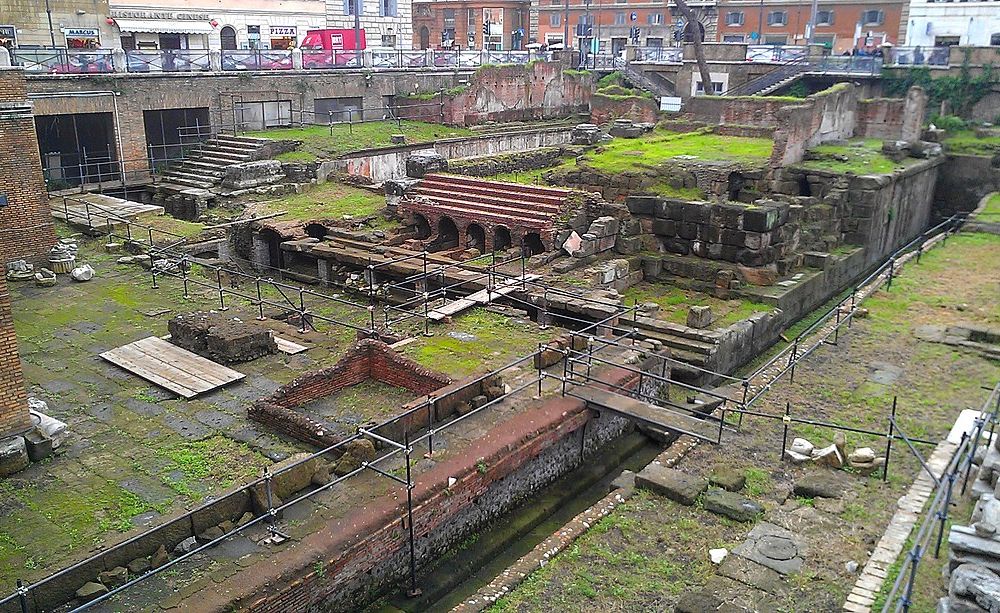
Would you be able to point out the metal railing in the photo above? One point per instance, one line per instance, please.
(168, 60)
(819, 65)
(935, 518)
(64, 61)
(776, 54)
(918, 56)
(659, 55)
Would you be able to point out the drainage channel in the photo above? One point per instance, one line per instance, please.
(479, 559)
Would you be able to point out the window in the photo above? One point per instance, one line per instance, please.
(654, 19)
(555, 19)
(873, 17)
(654, 42)
(946, 41)
(824, 18)
(619, 18)
(825, 40)
(734, 18)
(716, 88)
(733, 38)
(387, 8)
(388, 40)
(776, 40)
(556, 2)
(777, 18)
(449, 19)
(995, 40)
(351, 5)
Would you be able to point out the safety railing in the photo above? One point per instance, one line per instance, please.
(257, 59)
(776, 53)
(168, 60)
(930, 531)
(659, 55)
(64, 61)
(313, 59)
(918, 56)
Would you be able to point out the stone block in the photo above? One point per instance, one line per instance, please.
(729, 479)
(13, 455)
(39, 445)
(731, 505)
(91, 591)
(248, 175)
(221, 337)
(585, 134)
(641, 205)
(674, 484)
(665, 227)
(423, 163)
(699, 316)
(821, 485)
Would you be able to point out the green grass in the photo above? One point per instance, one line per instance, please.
(967, 143)
(674, 303)
(859, 157)
(991, 212)
(661, 145)
(330, 200)
(319, 143)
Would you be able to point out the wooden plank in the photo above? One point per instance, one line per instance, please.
(663, 417)
(483, 296)
(289, 347)
(176, 369)
(187, 361)
(121, 359)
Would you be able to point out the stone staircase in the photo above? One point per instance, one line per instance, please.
(772, 81)
(487, 202)
(639, 79)
(205, 167)
(690, 345)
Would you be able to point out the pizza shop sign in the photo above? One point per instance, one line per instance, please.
(159, 15)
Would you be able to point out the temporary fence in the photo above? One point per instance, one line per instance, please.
(935, 517)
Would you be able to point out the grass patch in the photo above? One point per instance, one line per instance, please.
(331, 200)
(661, 145)
(991, 212)
(219, 460)
(324, 142)
(674, 302)
(966, 142)
(859, 157)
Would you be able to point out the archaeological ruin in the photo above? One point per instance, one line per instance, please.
(510, 337)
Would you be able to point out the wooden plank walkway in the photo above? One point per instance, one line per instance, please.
(481, 297)
(662, 417)
(74, 210)
(287, 346)
(178, 370)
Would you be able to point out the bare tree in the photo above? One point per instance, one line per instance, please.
(699, 53)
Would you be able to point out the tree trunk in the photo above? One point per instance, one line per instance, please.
(699, 53)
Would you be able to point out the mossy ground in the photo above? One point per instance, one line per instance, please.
(991, 212)
(323, 143)
(859, 157)
(649, 550)
(625, 154)
(966, 142)
(330, 200)
(674, 303)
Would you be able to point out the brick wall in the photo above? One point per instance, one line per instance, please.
(26, 229)
(893, 118)
(825, 116)
(605, 109)
(14, 415)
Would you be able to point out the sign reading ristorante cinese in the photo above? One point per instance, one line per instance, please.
(129, 14)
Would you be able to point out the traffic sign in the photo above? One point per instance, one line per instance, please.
(754, 36)
(633, 17)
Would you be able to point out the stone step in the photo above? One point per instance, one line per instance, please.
(505, 219)
(208, 166)
(518, 200)
(214, 160)
(180, 173)
(187, 182)
(513, 187)
(225, 153)
(242, 140)
(476, 200)
(534, 198)
(476, 208)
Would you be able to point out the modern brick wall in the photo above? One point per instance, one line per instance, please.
(26, 229)
(14, 416)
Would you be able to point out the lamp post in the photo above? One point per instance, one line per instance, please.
(52, 33)
(760, 23)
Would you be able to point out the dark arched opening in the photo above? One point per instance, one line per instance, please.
(316, 230)
(804, 188)
(228, 38)
(421, 226)
(475, 237)
(533, 244)
(447, 234)
(425, 37)
(273, 241)
(689, 30)
(736, 183)
(501, 238)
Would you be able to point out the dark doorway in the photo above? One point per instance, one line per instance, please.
(689, 30)
(425, 37)
(169, 132)
(533, 244)
(228, 38)
(501, 238)
(77, 148)
(422, 226)
(273, 240)
(447, 234)
(475, 237)
(316, 230)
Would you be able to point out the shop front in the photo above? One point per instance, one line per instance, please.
(149, 30)
(82, 38)
(283, 37)
(8, 37)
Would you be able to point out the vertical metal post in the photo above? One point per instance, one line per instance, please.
(836, 330)
(743, 404)
(260, 302)
(854, 294)
(914, 562)
(184, 276)
(427, 321)
(302, 311)
(787, 419)
(22, 596)
(270, 500)
(331, 122)
(409, 519)
(892, 270)
(222, 294)
(975, 445)
(943, 514)
(793, 358)
(538, 365)
(524, 286)
(888, 440)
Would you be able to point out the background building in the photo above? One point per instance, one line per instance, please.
(79, 24)
(842, 25)
(387, 23)
(470, 24)
(936, 24)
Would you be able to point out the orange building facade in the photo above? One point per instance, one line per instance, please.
(471, 24)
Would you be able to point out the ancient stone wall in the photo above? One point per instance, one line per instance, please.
(539, 90)
(26, 228)
(14, 416)
(605, 109)
(738, 110)
(508, 163)
(893, 118)
(825, 116)
(963, 181)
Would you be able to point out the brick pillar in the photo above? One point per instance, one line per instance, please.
(14, 416)
(26, 228)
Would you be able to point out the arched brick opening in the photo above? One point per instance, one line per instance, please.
(273, 241)
(423, 226)
(447, 233)
(475, 237)
(533, 244)
(501, 238)
(316, 230)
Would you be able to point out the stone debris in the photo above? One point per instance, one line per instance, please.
(585, 134)
(802, 446)
(423, 163)
(91, 591)
(45, 278)
(772, 546)
(828, 456)
(116, 577)
(51, 427)
(700, 316)
(821, 485)
(731, 505)
(727, 478)
(718, 555)
(13, 455)
(20, 270)
(82, 273)
(674, 484)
